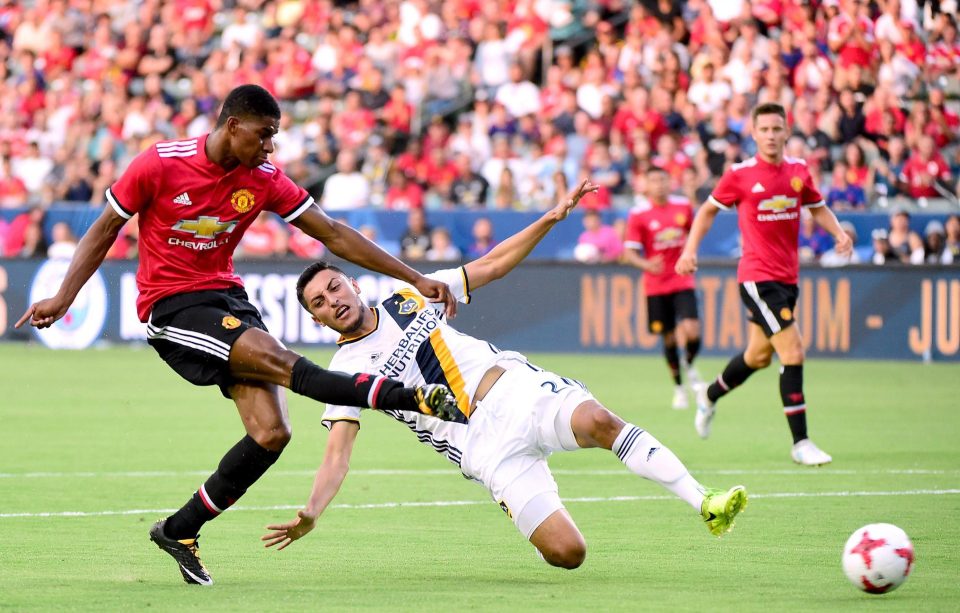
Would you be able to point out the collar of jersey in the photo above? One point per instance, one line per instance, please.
(346, 341)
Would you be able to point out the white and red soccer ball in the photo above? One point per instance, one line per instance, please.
(878, 558)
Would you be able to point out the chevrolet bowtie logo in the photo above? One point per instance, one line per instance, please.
(205, 227)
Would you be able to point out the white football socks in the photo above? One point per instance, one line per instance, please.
(644, 455)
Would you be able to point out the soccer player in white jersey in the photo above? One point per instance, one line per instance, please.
(514, 414)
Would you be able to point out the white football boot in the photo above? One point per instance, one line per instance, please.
(703, 420)
(806, 453)
(680, 401)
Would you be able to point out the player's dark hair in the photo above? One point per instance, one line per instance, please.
(308, 274)
(248, 101)
(768, 108)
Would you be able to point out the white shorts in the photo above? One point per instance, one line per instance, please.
(522, 420)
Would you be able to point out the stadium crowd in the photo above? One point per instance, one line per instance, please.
(502, 104)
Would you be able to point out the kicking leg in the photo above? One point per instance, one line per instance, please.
(258, 356)
(263, 409)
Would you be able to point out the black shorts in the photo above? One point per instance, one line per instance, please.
(193, 333)
(665, 310)
(770, 304)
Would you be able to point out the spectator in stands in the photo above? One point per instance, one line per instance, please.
(813, 240)
(934, 243)
(883, 253)
(852, 123)
(831, 259)
(604, 239)
(347, 188)
(706, 92)
(905, 244)
(13, 192)
(25, 235)
(926, 173)
(492, 59)
(265, 238)
(884, 178)
(403, 194)
(519, 96)
(469, 189)
(844, 196)
(415, 241)
(64, 243)
(442, 248)
(483, 240)
(951, 248)
(505, 196)
(721, 146)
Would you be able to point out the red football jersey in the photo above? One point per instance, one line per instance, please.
(662, 230)
(192, 215)
(768, 198)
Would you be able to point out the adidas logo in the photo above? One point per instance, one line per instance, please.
(758, 188)
(183, 199)
(652, 451)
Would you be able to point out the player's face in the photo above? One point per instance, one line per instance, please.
(334, 301)
(770, 132)
(658, 186)
(252, 139)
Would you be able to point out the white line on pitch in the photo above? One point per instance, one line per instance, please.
(464, 503)
(416, 471)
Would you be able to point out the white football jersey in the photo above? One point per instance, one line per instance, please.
(413, 344)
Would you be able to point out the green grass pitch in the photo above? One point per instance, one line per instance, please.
(116, 437)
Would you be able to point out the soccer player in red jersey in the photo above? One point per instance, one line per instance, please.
(768, 191)
(660, 232)
(195, 199)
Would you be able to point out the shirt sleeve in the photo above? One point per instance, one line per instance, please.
(727, 192)
(810, 196)
(633, 238)
(287, 199)
(456, 279)
(136, 186)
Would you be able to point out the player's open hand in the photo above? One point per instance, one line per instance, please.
(284, 534)
(564, 207)
(687, 264)
(843, 244)
(435, 291)
(43, 314)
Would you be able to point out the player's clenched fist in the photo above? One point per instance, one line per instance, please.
(687, 264)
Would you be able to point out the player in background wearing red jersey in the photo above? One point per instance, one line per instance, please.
(660, 231)
(195, 198)
(768, 191)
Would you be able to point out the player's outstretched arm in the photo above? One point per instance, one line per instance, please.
(687, 264)
(330, 476)
(828, 221)
(507, 254)
(91, 250)
(352, 246)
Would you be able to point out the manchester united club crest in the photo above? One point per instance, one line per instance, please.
(796, 183)
(680, 219)
(786, 314)
(242, 200)
(230, 322)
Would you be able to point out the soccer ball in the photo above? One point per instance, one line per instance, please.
(877, 558)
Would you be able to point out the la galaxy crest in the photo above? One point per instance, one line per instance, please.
(408, 306)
